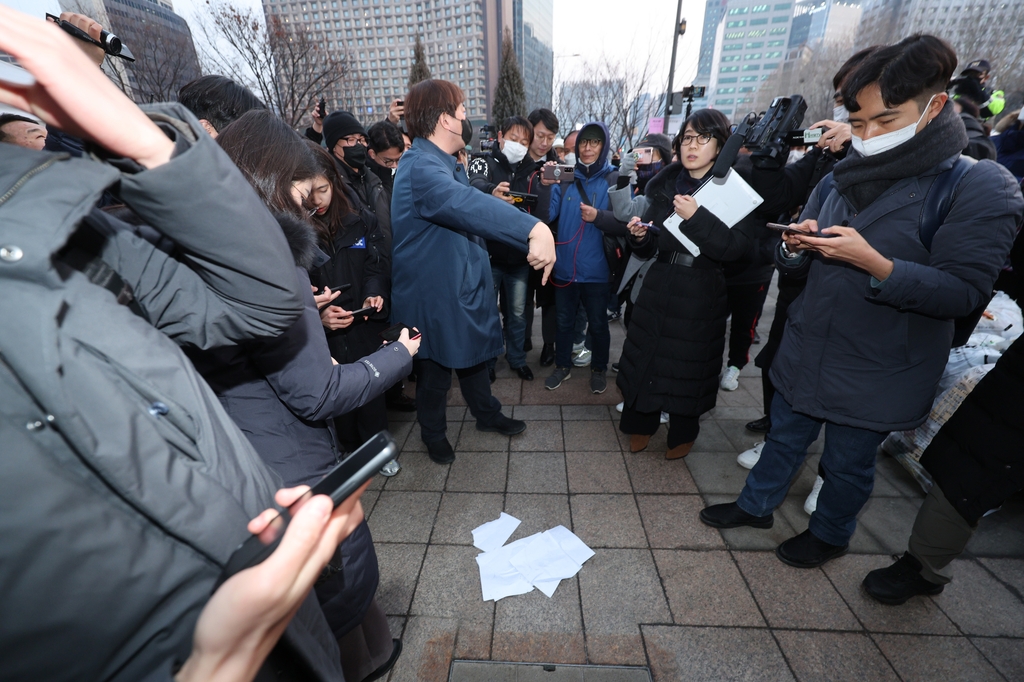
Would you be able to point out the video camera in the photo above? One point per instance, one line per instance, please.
(770, 136)
(488, 137)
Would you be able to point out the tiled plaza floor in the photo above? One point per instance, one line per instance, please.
(663, 590)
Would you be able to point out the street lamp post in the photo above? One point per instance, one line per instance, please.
(679, 28)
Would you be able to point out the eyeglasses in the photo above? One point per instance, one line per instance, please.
(387, 163)
(702, 139)
(589, 143)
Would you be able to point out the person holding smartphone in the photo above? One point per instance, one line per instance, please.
(126, 486)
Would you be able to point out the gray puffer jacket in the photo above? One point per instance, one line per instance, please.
(124, 484)
(872, 357)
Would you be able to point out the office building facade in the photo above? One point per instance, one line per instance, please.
(461, 39)
(534, 43)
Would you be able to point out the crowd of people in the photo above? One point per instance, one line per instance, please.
(199, 300)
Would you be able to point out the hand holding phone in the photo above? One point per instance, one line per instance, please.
(790, 229)
(321, 108)
(342, 481)
(644, 155)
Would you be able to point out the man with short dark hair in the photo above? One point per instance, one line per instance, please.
(545, 130)
(385, 147)
(867, 341)
(217, 101)
(22, 131)
(505, 169)
(442, 281)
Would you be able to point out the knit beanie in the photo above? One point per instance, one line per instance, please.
(341, 124)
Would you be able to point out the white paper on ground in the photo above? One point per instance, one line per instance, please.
(571, 544)
(498, 577)
(493, 534)
(555, 555)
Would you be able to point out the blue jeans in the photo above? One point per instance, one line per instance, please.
(595, 300)
(847, 464)
(512, 281)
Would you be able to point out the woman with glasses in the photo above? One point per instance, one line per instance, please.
(672, 356)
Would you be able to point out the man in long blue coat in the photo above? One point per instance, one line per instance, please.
(441, 275)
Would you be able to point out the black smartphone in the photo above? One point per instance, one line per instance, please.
(523, 199)
(391, 334)
(340, 289)
(342, 481)
(321, 108)
(368, 310)
(779, 227)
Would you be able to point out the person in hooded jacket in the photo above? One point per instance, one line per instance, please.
(867, 340)
(979, 146)
(582, 270)
(671, 359)
(507, 168)
(284, 393)
(126, 485)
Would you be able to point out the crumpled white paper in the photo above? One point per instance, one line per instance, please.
(493, 534)
(541, 560)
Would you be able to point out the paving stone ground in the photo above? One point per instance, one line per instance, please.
(663, 590)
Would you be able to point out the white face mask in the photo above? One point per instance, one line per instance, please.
(883, 143)
(513, 151)
(795, 155)
(570, 159)
(840, 114)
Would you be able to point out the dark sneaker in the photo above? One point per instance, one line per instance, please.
(899, 582)
(598, 382)
(441, 451)
(730, 515)
(524, 373)
(557, 377)
(547, 355)
(760, 425)
(503, 425)
(615, 367)
(807, 551)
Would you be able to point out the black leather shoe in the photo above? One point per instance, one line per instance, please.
(491, 375)
(503, 425)
(760, 425)
(441, 451)
(731, 516)
(527, 345)
(807, 551)
(524, 372)
(401, 403)
(547, 355)
(380, 672)
(897, 583)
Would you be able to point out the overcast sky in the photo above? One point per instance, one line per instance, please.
(621, 30)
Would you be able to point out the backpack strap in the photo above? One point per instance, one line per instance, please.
(939, 199)
(825, 187)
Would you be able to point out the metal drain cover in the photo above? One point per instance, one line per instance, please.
(495, 671)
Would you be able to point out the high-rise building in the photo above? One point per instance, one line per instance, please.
(714, 10)
(534, 43)
(461, 38)
(161, 41)
(752, 40)
(958, 21)
(817, 22)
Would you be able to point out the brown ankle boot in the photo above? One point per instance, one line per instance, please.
(638, 442)
(679, 451)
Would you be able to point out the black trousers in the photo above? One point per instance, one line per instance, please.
(433, 381)
(680, 429)
(361, 424)
(745, 304)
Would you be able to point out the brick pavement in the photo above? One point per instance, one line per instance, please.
(663, 590)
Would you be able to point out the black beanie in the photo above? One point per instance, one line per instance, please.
(341, 124)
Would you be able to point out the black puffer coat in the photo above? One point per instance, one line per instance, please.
(672, 356)
(976, 458)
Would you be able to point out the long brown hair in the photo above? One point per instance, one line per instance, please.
(331, 222)
(271, 156)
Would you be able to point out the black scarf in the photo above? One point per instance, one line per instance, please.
(862, 179)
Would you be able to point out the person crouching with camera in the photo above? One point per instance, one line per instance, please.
(673, 351)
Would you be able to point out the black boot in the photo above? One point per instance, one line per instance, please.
(807, 551)
(899, 582)
(731, 516)
(441, 451)
(760, 425)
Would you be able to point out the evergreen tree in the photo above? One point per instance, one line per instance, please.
(419, 71)
(510, 93)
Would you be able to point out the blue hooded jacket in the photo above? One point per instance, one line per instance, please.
(580, 246)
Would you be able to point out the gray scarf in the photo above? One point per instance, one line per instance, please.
(862, 179)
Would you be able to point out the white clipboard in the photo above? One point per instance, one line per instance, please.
(730, 199)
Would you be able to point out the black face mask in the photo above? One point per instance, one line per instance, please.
(355, 156)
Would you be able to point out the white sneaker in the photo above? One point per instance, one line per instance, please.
(391, 468)
(618, 408)
(664, 417)
(581, 359)
(749, 458)
(812, 500)
(731, 379)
